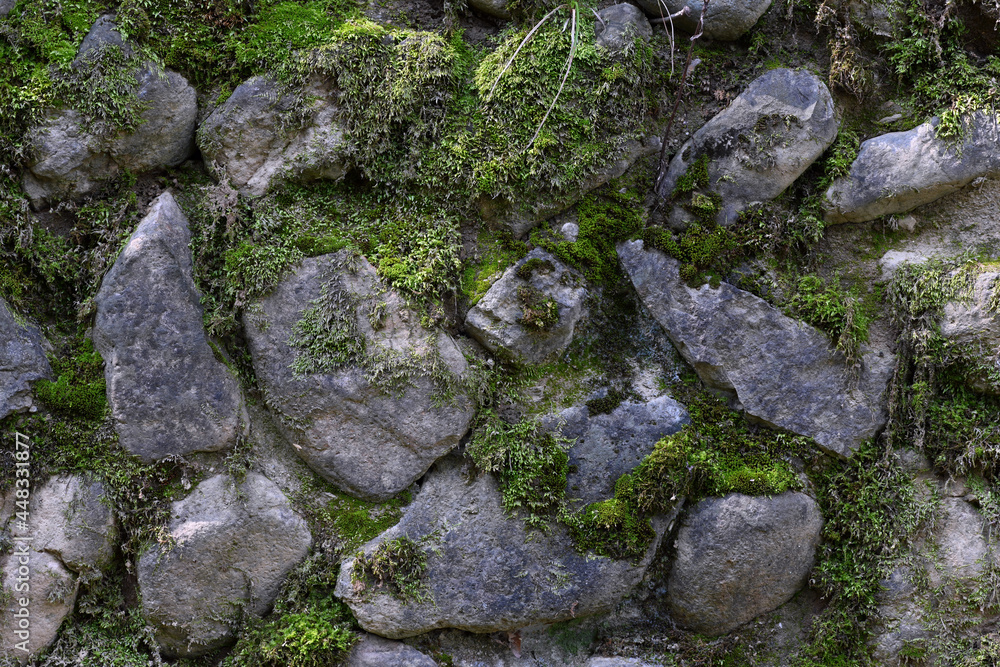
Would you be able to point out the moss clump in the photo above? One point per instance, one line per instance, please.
(606, 404)
(397, 566)
(79, 388)
(695, 176)
(705, 252)
(531, 464)
(538, 312)
(355, 522)
(718, 453)
(526, 269)
(840, 314)
(497, 250)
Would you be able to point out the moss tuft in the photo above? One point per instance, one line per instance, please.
(397, 566)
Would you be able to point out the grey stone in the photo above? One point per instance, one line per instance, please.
(6, 6)
(521, 217)
(248, 140)
(168, 393)
(618, 26)
(899, 171)
(604, 447)
(495, 8)
(784, 372)
(758, 145)
(232, 544)
(485, 572)
(50, 599)
(973, 319)
(893, 259)
(73, 523)
(22, 361)
(369, 442)
(739, 557)
(725, 20)
(496, 320)
(570, 231)
(375, 651)
(71, 160)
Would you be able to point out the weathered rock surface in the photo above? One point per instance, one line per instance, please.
(899, 171)
(973, 319)
(784, 372)
(375, 651)
(485, 572)
(606, 446)
(521, 217)
(103, 33)
(168, 393)
(22, 361)
(739, 557)
(72, 536)
(6, 6)
(725, 20)
(71, 160)
(248, 140)
(496, 8)
(371, 442)
(759, 145)
(618, 26)
(234, 545)
(498, 320)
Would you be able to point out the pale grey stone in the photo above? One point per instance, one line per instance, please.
(618, 26)
(725, 20)
(22, 362)
(375, 651)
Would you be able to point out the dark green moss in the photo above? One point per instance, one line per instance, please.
(396, 567)
(607, 404)
(696, 176)
(538, 311)
(530, 266)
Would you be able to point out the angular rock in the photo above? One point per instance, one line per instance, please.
(495, 8)
(71, 160)
(168, 393)
(974, 319)
(73, 523)
(375, 651)
(49, 600)
(757, 146)
(233, 545)
(247, 139)
(725, 20)
(522, 217)
(6, 6)
(739, 557)
(606, 446)
(899, 171)
(22, 361)
(485, 572)
(784, 372)
(498, 320)
(371, 441)
(618, 26)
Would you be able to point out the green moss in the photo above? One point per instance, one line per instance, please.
(538, 312)
(526, 269)
(497, 249)
(694, 177)
(839, 314)
(355, 522)
(704, 251)
(79, 388)
(396, 568)
(607, 404)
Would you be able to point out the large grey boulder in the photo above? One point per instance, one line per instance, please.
(757, 146)
(739, 557)
(375, 651)
(168, 393)
(506, 321)
(231, 544)
(71, 159)
(371, 440)
(250, 139)
(71, 536)
(485, 572)
(899, 171)
(603, 447)
(618, 26)
(22, 361)
(784, 372)
(725, 20)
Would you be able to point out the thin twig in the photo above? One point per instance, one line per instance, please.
(524, 41)
(680, 92)
(569, 64)
(669, 18)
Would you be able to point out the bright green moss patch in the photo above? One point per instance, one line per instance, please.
(355, 521)
(396, 567)
(841, 315)
(694, 177)
(79, 388)
(497, 249)
(705, 252)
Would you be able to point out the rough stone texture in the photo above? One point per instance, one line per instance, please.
(369, 443)
(104, 32)
(485, 572)
(899, 171)
(784, 372)
(496, 8)
(71, 522)
(725, 20)
(739, 557)
(71, 161)
(22, 361)
(521, 217)
(374, 651)
(246, 139)
(168, 393)
(6, 6)
(233, 548)
(495, 320)
(619, 26)
(605, 447)
(965, 321)
(51, 599)
(760, 144)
